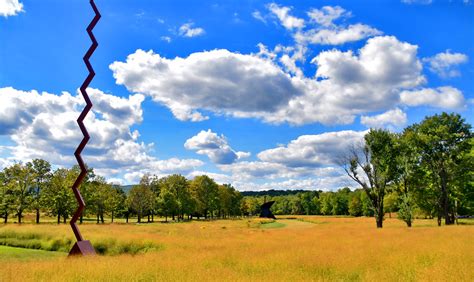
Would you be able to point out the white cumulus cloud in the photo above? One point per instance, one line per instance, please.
(445, 64)
(187, 30)
(391, 119)
(328, 14)
(255, 86)
(43, 125)
(214, 146)
(445, 97)
(283, 14)
(313, 150)
(10, 7)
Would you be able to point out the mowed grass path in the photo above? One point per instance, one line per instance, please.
(19, 254)
(308, 249)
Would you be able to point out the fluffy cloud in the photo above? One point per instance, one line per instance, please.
(313, 150)
(308, 162)
(321, 183)
(214, 146)
(283, 14)
(395, 118)
(337, 35)
(321, 27)
(327, 32)
(10, 7)
(350, 84)
(446, 97)
(43, 125)
(265, 176)
(346, 84)
(445, 64)
(328, 14)
(252, 170)
(187, 30)
(218, 81)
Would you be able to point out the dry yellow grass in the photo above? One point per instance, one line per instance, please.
(319, 249)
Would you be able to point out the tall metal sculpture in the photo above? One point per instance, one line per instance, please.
(84, 247)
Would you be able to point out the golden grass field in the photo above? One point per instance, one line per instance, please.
(308, 249)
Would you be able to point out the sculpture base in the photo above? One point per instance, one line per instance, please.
(82, 248)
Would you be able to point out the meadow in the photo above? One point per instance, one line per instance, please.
(301, 248)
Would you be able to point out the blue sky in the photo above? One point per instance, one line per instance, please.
(264, 95)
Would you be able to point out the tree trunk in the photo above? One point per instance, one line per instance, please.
(19, 218)
(5, 218)
(379, 216)
(37, 216)
(152, 217)
(139, 218)
(112, 216)
(59, 218)
(102, 217)
(126, 218)
(444, 199)
(409, 223)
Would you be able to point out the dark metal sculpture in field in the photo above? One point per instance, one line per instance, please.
(265, 210)
(84, 247)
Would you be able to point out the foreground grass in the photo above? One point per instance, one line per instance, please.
(312, 248)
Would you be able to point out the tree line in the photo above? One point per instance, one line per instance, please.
(35, 187)
(426, 170)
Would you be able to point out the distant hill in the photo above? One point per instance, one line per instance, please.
(126, 188)
(273, 192)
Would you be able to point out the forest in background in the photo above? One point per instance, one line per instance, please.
(427, 170)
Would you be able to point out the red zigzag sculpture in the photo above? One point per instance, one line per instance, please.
(84, 247)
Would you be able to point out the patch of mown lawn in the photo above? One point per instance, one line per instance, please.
(271, 225)
(21, 254)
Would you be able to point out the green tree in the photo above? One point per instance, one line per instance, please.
(140, 200)
(340, 202)
(115, 203)
(205, 191)
(225, 200)
(376, 159)
(355, 205)
(58, 197)
(168, 204)
(7, 198)
(42, 171)
(442, 141)
(326, 203)
(101, 194)
(20, 178)
(391, 202)
(316, 205)
(405, 211)
(152, 183)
